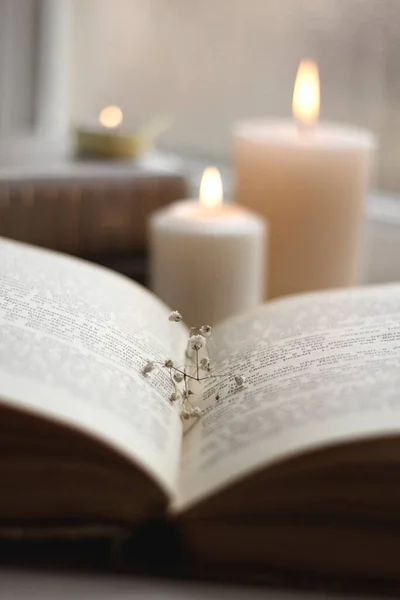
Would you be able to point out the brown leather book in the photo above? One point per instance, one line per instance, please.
(86, 209)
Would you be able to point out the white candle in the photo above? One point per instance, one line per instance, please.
(207, 258)
(311, 183)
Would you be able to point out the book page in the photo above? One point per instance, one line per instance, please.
(73, 340)
(320, 368)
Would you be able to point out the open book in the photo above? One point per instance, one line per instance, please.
(296, 470)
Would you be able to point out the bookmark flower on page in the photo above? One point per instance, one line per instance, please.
(197, 369)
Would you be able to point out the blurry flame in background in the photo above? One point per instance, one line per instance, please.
(210, 194)
(111, 117)
(306, 95)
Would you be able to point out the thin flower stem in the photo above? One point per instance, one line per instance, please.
(197, 365)
(186, 431)
(172, 381)
(197, 378)
(190, 403)
(184, 373)
(185, 396)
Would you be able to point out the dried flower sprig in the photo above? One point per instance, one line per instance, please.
(198, 370)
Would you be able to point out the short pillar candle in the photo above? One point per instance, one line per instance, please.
(207, 258)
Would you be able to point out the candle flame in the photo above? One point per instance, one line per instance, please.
(306, 93)
(111, 117)
(211, 188)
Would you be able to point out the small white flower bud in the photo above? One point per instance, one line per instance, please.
(206, 330)
(205, 364)
(197, 341)
(174, 397)
(148, 367)
(185, 413)
(240, 380)
(175, 316)
(168, 363)
(193, 412)
(178, 377)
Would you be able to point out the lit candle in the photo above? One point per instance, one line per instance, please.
(109, 139)
(310, 180)
(207, 258)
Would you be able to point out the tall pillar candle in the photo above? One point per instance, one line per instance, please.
(310, 182)
(207, 259)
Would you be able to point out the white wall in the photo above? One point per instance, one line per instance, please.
(209, 62)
